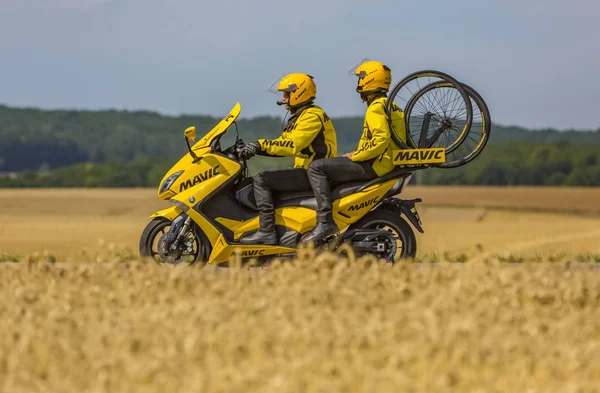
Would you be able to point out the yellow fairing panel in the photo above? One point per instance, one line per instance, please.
(202, 147)
(194, 194)
(210, 167)
(223, 251)
(219, 128)
(353, 207)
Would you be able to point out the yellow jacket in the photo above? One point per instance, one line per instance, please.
(308, 135)
(376, 144)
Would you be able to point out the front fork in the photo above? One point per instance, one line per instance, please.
(182, 233)
(179, 229)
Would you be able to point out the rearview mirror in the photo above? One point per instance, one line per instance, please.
(190, 133)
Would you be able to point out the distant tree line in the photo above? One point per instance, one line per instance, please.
(518, 163)
(134, 149)
(505, 164)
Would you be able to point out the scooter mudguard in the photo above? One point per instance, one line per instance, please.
(169, 213)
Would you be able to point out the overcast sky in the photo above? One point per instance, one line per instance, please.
(536, 62)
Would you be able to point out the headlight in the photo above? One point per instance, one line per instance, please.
(169, 181)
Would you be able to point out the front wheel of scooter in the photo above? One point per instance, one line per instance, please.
(195, 248)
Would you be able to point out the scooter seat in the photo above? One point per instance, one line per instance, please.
(286, 196)
(341, 190)
(345, 189)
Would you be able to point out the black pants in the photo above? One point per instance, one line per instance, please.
(339, 169)
(265, 183)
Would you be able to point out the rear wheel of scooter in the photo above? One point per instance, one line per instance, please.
(152, 247)
(406, 242)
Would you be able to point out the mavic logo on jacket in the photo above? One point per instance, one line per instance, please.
(251, 253)
(368, 145)
(199, 178)
(362, 205)
(420, 156)
(284, 143)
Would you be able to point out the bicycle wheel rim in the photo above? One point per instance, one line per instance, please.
(443, 77)
(452, 137)
(479, 134)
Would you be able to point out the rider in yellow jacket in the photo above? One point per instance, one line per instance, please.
(374, 155)
(308, 135)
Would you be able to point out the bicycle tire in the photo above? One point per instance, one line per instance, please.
(431, 74)
(471, 153)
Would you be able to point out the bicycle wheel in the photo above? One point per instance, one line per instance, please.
(439, 118)
(476, 136)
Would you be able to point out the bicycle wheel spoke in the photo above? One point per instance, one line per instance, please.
(451, 93)
(461, 106)
(434, 106)
(461, 111)
(455, 102)
(421, 107)
(449, 101)
(438, 103)
(434, 98)
(445, 99)
(425, 102)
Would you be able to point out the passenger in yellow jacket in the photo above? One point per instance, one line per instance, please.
(308, 135)
(374, 155)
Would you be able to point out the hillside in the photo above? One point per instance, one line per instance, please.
(31, 138)
(134, 149)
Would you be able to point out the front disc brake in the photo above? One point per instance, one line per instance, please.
(179, 254)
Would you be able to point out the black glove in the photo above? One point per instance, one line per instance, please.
(251, 149)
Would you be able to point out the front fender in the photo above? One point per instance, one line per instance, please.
(406, 207)
(169, 213)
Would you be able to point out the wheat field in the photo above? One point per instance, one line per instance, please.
(320, 324)
(496, 221)
(81, 313)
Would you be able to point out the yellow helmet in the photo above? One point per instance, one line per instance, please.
(373, 76)
(298, 89)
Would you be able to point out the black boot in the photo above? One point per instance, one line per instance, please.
(261, 237)
(322, 230)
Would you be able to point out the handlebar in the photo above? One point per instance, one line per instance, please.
(236, 151)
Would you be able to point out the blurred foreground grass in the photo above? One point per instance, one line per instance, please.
(319, 324)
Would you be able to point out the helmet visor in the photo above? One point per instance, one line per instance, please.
(274, 88)
(352, 71)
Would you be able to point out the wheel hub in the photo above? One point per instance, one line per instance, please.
(382, 244)
(446, 124)
(387, 247)
(174, 254)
